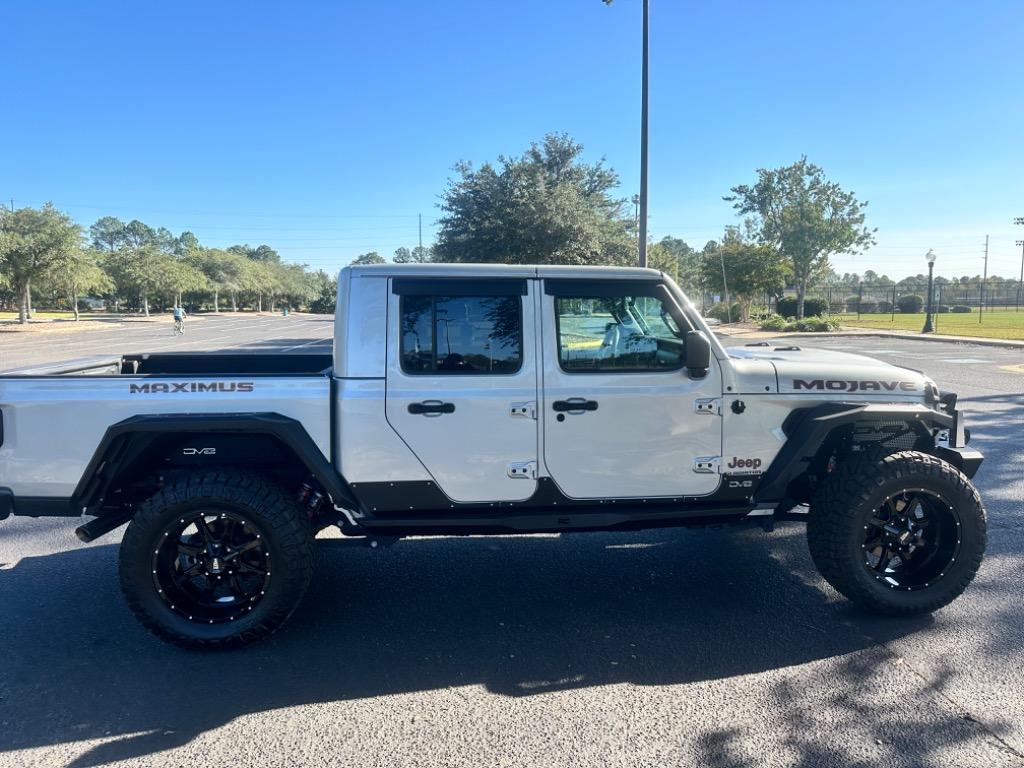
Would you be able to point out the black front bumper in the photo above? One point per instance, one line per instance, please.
(967, 460)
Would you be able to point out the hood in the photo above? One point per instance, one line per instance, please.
(808, 370)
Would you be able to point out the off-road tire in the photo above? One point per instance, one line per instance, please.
(284, 528)
(847, 499)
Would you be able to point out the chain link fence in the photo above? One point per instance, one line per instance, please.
(996, 306)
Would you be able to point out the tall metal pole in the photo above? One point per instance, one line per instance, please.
(984, 280)
(643, 145)
(420, 217)
(928, 318)
(1020, 287)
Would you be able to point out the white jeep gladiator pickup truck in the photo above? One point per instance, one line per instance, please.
(488, 400)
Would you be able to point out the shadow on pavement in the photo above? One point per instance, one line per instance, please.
(520, 616)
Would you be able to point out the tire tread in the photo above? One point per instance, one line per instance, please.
(833, 519)
(278, 512)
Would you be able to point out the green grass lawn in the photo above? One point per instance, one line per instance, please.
(42, 315)
(1000, 324)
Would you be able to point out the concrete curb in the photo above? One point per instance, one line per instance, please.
(981, 342)
(870, 334)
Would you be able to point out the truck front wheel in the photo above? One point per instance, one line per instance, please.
(898, 535)
(216, 559)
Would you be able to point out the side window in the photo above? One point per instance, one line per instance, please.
(461, 334)
(619, 333)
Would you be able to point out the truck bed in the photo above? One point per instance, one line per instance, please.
(53, 417)
(184, 364)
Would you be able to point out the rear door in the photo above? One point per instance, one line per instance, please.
(619, 409)
(462, 382)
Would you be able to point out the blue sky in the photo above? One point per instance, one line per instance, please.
(324, 129)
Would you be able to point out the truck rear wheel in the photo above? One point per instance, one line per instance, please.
(898, 535)
(216, 559)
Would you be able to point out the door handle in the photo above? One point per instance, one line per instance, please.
(431, 408)
(574, 404)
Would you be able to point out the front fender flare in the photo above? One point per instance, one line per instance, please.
(817, 423)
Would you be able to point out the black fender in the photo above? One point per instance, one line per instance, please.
(811, 427)
(126, 442)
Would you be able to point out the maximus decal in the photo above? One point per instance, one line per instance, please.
(191, 386)
(840, 385)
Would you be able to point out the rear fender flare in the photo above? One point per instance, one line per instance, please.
(126, 441)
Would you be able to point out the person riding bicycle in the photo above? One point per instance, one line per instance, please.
(179, 319)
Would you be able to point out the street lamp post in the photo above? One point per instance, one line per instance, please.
(643, 146)
(1020, 244)
(643, 135)
(1020, 287)
(930, 256)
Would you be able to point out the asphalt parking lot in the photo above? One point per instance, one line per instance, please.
(657, 648)
(226, 332)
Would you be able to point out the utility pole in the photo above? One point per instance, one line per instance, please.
(984, 280)
(420, 217)
(643, 143)
(1020, 243)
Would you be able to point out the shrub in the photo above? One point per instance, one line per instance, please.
(960, 309)
(720, 312)
(867, 306)
(814, 325)
(910, 304)
(787, 307)
(807, 325)
(773, 323)
(885, 307)
(851, 303)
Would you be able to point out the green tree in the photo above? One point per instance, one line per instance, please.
(217, 267)
(137, 234)
(805, 217)
(265, 253)
(107, 233)
(296, 287)
(749, 269)
(77, 273)
(164, 240)
(262, 253)
(145, 271)
(417, 255)
(31, 242)
(545, 207)
(185, 244)
(676, 258)
(368, 258)
(326, 290)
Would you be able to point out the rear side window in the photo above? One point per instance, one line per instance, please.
(461, 334)
(617, 334)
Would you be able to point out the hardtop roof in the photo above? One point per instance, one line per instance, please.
(502, 270)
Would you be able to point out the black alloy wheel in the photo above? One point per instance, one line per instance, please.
(901, 534)
(912, 538)
(217, 559)
(212, 566)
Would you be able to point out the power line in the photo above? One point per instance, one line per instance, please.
(179, 212)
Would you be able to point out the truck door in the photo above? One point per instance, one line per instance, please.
(620, 415)
(462, 382)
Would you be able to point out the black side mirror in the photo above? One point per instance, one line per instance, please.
(698, 354)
